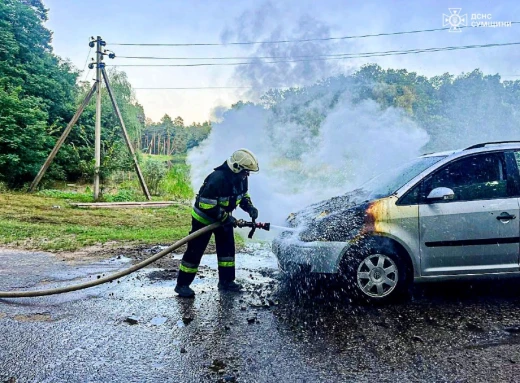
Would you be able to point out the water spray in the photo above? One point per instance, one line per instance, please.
(284, 228)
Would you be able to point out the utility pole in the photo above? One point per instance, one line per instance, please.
(97, 141)
(96, 88)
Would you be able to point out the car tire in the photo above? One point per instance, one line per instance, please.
(375, 273)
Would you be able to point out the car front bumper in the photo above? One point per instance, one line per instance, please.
(316, 257)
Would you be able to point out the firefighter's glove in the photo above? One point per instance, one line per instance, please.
(253, 212)
(230, 221)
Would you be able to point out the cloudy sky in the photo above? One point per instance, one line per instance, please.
(225, 21)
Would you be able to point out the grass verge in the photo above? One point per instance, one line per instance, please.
(47, 223)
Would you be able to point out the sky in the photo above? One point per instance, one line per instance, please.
(218, 21)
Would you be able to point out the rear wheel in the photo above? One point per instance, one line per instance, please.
(377, 274)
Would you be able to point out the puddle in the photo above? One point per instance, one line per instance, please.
(36, 317)
(158, 321)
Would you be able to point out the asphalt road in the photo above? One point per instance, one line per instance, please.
(137, 330)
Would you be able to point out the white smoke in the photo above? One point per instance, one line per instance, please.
(354, 143)
(312, 143)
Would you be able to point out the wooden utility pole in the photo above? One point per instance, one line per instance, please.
(96, 88)
(97, 141)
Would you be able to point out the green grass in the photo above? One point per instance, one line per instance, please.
(36, 222)
(120, 195)
(67, 194)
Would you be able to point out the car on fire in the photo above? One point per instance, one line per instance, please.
(443, 216)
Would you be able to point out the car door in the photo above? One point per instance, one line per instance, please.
(478, 230)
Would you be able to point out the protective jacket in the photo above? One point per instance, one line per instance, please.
(221, 193)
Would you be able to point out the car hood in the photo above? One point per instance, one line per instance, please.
(337, 219)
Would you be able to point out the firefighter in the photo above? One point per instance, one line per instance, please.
(223, 191)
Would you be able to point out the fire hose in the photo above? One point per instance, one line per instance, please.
(60, 290)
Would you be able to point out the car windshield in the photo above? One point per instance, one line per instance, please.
(389, 182)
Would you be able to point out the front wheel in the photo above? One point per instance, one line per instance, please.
(376, 275)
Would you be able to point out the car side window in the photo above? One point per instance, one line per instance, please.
(412, 197)
(477, 177)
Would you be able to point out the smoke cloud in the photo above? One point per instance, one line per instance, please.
(259, 25)
(354, 143)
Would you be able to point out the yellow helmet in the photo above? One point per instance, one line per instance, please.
(243, 159)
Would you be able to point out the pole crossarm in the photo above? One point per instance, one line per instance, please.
(63, 137)
(125, 135)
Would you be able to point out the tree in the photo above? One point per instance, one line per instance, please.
(169, 130)
(178, 122)
(37, 90)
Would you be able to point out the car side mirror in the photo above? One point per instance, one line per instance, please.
(440, 194)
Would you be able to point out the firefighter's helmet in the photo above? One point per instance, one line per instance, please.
(243, 159)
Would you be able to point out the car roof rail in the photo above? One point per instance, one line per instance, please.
(482, 145)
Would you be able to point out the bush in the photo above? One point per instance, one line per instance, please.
(123, 195)
(153, 173)
(176, 183)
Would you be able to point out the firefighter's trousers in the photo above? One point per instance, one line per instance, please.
(225, 244)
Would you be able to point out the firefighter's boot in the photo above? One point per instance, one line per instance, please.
(184, 291)
(229, 286)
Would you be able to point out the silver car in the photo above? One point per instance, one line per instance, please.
(448, 215)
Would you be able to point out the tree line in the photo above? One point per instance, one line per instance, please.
(169, 137)
(455, 110)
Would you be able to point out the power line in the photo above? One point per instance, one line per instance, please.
(289, 41)
(220, 58)
(86, 60)
(250, 87)
(86, 74)
(84, 66)
(336, 55)
(203, 87)
(333, 57)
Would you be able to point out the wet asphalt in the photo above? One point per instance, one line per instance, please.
(137, 330)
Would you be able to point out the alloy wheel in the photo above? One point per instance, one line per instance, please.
(377, 275)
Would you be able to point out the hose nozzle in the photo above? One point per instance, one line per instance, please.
(253, 225)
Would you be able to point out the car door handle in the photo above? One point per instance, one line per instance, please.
(506, 217)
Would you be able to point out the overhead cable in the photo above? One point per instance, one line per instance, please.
(331, 57)
(291, 40)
